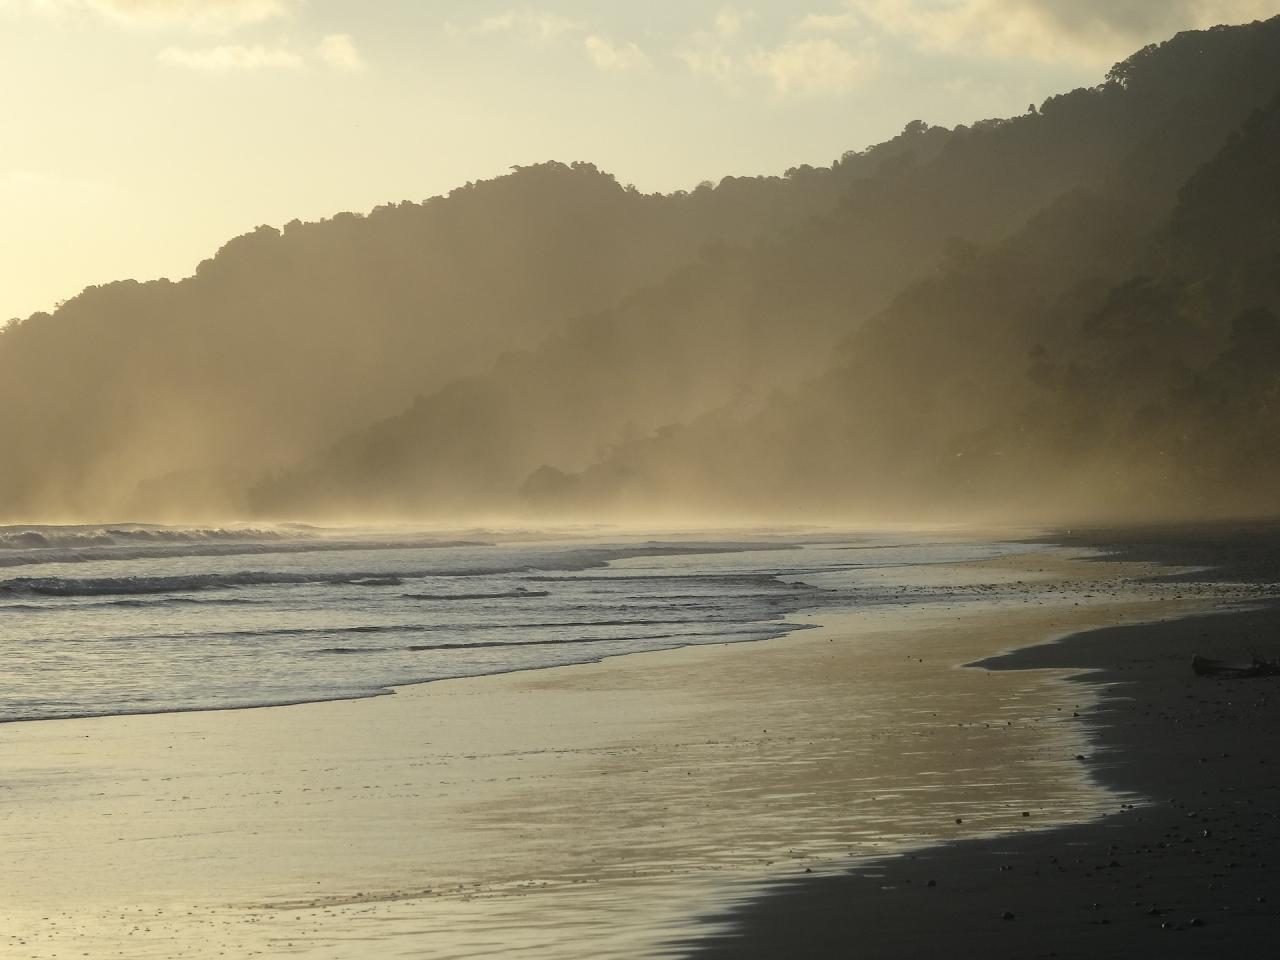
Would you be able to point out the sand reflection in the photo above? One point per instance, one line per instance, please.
(589, 811)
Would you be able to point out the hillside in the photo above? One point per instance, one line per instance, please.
(169, 398)
(901, 353)
(1087, 368)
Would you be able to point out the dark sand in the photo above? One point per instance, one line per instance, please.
(1191, 870)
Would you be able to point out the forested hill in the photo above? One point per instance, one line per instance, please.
(171, 398)
(1076, 372)
(1067, 313)
(1038, 316)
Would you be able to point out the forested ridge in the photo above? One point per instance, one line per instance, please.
(174, 397)
(1070, 313)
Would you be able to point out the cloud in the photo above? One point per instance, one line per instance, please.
(610, 56)
(1141, 19)
(710, 59)
(829, 22)
(217, 15)
(232, 59)
(714, 53)
(730, 21)
(543, 27)
(336, 50)
(811, 68)
(529, 24)
(801, 66)
(1087, 31)
(339, 51)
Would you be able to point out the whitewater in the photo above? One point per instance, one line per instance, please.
(133, 618)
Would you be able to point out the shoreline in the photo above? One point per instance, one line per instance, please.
(1178, 869)
(513, 787)
(58, 594)
(587, 556)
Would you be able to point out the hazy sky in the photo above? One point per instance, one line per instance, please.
(138, 135)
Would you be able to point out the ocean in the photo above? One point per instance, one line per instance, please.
(130, 619)
(605, 811)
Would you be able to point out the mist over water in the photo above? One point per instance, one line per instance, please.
(253, 618)
(546, 420)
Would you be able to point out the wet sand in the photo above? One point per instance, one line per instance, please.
(1187, 866)
(602, 810)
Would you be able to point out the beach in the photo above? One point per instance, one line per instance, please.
(709, 799)
(813, 517)
(1187, 866)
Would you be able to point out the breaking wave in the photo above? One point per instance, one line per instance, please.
(196, 631)
(21, 546)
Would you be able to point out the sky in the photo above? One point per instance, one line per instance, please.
(137, 136)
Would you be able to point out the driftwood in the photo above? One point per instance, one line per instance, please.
(1204, 667)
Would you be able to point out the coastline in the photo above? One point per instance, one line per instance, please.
(601, 802)
(1186, 863)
